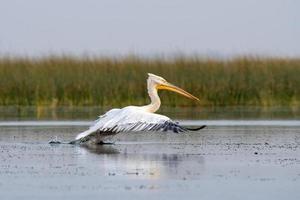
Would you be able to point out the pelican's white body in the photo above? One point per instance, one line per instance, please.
(125, 119)
(133, 118)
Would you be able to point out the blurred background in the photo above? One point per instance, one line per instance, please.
(97, 53)
(150, 28)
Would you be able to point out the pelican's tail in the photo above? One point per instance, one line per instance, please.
(92, 136)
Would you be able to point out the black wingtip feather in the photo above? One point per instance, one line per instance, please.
(196, 129)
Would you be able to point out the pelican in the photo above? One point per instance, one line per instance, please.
(136, 118)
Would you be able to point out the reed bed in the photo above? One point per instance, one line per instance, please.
(70, 81)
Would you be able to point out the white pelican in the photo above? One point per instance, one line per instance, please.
(136, 118)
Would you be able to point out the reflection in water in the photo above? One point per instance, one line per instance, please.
(100, 149)
(91, 113)
(114, 160)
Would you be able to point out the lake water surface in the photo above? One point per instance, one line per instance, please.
(233, 158)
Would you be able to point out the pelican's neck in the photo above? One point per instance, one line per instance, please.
(155, 100)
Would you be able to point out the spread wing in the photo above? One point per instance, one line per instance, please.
(130, 119)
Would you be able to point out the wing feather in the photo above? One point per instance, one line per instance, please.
(129, 119)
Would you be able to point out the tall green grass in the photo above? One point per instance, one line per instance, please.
(73, 81)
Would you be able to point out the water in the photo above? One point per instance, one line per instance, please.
(90, 113)
(230, 159)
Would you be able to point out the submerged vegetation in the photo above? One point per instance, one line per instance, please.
(56, 81)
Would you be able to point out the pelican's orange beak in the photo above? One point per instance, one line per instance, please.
(171, 87)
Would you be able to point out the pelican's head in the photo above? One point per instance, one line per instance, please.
(161, 84)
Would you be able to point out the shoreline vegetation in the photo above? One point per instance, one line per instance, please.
(115, 82)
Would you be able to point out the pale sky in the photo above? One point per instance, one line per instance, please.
(150, 27)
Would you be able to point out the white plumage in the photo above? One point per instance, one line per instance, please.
(135, 118)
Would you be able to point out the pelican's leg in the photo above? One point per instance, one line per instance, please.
(105, 143)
